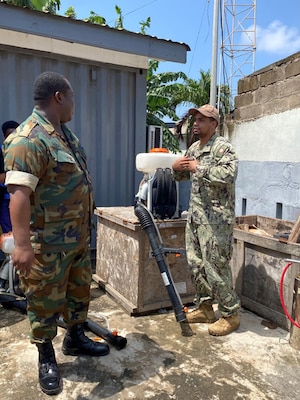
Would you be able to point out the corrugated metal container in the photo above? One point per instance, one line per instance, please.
(105, 116)
(107, 68)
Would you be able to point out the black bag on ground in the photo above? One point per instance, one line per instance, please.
(164, 194)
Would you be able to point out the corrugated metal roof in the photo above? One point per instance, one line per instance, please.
(43, 24)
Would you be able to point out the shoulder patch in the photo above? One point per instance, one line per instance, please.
(221, 150)
(220, 147)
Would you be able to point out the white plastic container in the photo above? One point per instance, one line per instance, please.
(7, 243)
(149, 162)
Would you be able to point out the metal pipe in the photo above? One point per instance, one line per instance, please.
(214, 56)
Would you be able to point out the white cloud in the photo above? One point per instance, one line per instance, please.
(277, 38)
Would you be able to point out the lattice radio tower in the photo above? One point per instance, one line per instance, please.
(237, 42)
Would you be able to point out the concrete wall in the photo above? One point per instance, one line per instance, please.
(264, 129)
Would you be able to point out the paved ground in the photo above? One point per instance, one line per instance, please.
(253, 363)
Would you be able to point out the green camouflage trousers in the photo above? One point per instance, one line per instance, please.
(58, 284)
(209, 250)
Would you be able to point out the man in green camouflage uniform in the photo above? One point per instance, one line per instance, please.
(211, 164)
(51, 207)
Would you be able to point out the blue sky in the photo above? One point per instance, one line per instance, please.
(191, 22)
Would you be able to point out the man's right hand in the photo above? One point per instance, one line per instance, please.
(182, 164)
(23, 259)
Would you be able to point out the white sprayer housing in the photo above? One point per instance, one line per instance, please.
(8, 244)
(149, 162)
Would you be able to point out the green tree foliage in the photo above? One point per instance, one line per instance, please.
(71, 13)
(166, 91)
(95, 19)
(161, 90)
(196, 92)
(21, 3)
(50, 6)
(119, 20)
(144, 25)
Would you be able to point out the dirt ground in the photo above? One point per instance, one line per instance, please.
(253, 363)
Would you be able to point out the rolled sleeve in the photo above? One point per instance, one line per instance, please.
(22, 179)
(181, 175)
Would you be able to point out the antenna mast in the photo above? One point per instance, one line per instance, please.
(238, 42)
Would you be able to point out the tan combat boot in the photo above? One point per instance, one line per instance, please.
(204, 313)
(224, 326)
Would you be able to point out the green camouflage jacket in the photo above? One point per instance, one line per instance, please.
(62, 202)
(212, 198)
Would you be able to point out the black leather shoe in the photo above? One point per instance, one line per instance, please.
(77, 343)
(49, 377)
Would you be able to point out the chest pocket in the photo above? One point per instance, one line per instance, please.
(64, 160)
(64, 171)
(207, 160)
(62, 156)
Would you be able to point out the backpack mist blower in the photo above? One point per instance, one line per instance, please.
(12, 297)
(159, 252)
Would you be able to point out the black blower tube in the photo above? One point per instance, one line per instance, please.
(9, 301)
(158, 252)
(119, 342)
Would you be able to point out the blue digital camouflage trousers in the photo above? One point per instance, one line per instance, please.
(58, 284)
(209, 250)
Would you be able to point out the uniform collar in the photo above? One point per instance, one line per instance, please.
(208, 145)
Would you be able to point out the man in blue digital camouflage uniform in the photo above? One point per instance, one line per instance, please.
(51, 207)
(211, 164)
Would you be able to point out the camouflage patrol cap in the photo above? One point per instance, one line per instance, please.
(207, 110)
